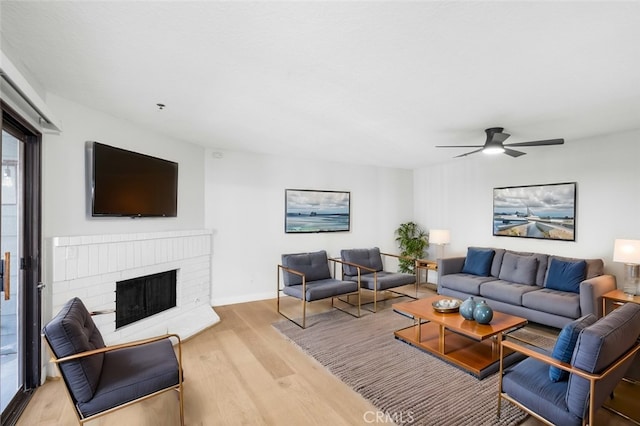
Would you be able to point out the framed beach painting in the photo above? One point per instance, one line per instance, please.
(536, 211)
(308, 211)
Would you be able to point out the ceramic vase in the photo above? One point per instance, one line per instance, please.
(483, 314)
(467, 307)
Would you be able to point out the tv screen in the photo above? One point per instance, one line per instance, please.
(126, 183)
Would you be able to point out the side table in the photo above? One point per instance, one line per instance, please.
(616, 298)
(424, 265)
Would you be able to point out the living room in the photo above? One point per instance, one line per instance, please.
(237, 195)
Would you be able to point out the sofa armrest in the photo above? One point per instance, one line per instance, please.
(450, 265)
(591, 292)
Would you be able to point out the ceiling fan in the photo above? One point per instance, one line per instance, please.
(494, 144)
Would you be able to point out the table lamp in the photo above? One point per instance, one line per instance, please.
(628, 252)
(439, 237)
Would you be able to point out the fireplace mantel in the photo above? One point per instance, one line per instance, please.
(89, 267)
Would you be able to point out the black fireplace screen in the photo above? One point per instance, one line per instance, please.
(142, 297)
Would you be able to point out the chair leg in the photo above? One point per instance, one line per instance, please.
(304, 313)
(181, 402)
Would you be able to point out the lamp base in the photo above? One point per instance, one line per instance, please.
(632, 279)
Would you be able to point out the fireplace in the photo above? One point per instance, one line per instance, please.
(141, 297)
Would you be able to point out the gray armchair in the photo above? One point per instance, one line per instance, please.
(101, 379)
(307, 277)
(366, 266)
(603, 352)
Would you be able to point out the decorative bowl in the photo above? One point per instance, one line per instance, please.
(446, 306)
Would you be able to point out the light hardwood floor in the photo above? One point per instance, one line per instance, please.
(241, 372)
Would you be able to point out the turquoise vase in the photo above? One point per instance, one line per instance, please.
(467, 307)
(483, 313)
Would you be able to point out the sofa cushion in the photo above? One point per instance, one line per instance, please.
(369, 258)
(315, 266)
(518, 269)
(504, 291)
(595, 267)
(565, 276)
(478, 262)
(566, 342)
(497, 259)
(465, 283)
(555, 302)
(543, 260)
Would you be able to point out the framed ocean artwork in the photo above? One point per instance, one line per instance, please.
(309, 211)
(536, 211)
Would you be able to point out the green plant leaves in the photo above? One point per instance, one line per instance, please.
(412, 240)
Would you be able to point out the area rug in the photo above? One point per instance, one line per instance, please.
(409, 385)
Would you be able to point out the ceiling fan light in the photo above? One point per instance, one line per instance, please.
(491, 150)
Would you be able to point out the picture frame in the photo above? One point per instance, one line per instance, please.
(536, 211)
(313, 211)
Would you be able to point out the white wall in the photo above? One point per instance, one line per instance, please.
(458, 195)
(64, 208)
(64, 200)
(245, 208)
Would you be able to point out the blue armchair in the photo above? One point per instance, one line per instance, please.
(602, 355)
(366, 266)
(306, 276)
(100, 379)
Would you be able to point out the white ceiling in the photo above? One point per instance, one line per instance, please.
(377, 83)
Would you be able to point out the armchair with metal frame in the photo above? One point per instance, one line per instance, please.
(603, 353)
(307, 277)
(367, 267)
(101, 379)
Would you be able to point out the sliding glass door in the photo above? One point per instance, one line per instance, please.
(10, 333)
(19, 264)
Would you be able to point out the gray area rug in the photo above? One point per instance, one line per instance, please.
(411, 386)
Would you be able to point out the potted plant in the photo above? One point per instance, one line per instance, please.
(413, 241)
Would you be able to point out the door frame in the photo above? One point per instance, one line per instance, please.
(31, 262)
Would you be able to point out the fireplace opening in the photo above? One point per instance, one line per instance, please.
(142, 297)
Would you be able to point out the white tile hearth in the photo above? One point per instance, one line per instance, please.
(89, 266)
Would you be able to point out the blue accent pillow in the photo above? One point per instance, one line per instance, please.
(478, 262)
(566, 276)
(563, 349)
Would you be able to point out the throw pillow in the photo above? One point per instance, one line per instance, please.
(478, 262)
(518, 269)
(566, 276)
(563, 349)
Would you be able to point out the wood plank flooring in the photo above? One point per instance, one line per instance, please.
(240, 372)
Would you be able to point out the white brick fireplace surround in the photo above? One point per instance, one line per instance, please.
(89, 267)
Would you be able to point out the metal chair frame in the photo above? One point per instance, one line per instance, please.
(81, 418)
(375, 281)
(304, 292)
(591, 377)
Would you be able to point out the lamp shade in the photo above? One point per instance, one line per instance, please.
(627, 251)
(439, 236)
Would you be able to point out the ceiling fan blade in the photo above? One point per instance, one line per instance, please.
(469, 153)
(500, 137)
(513, 152)
(538, 143)
(459, 146)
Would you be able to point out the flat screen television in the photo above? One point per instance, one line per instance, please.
(130, 184)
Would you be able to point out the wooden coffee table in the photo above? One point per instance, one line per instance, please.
(471, 346)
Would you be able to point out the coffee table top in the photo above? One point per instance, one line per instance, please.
(423, 309)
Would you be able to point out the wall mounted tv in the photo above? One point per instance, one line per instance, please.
(130, 184)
